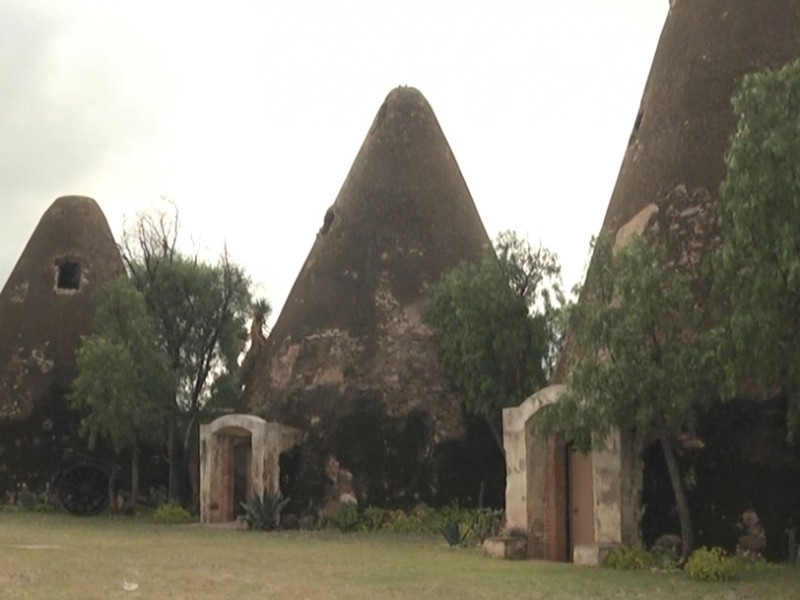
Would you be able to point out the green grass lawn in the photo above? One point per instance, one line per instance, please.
(58, 556)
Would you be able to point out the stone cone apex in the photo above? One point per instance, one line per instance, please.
(350, 348)
(685, 121)
(47, 303)
(403, 217)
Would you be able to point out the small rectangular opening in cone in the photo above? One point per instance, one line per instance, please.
(69, 275)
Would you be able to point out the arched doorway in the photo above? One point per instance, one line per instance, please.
(239, 457)
(569, 506)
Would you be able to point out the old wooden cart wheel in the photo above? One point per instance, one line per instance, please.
(83, 489)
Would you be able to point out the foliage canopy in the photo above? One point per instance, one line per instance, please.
(759, 215)
(123, 377)
(167, 346)
(498, 325)
(641, 362)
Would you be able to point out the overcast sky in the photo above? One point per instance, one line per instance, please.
(249, 114)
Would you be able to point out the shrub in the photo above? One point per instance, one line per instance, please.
(172, 514)
(486, 523)
(372, 519)
(711, 564)
(422, 519)
(264, 512)
(668, 560)
(473, 525)
(756, 565)
(43, 507)
(343, 517)
(630, 558)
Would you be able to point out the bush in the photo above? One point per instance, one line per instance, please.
(486, 523)
(629, 558)
(264, 512)
(172, 514)
(711, 564)
(344, 517)
(422, 519)
(372, 519)
(43, 507)
(473, 525)
(668, 560)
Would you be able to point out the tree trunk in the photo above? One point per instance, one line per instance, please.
(112, 489)
(134, 476)
(191, 447)
(172, 458)
(687, 536)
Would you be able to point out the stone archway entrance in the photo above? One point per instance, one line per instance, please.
(568, 506)
(535, 479)
(239, 457)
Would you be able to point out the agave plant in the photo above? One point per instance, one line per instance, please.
(264, 512)
(451, 530)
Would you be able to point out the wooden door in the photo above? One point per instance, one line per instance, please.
(581, 499)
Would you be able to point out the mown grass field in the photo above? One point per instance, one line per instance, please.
(51, 556)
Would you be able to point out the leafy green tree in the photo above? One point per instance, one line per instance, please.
(498, 326)
(200, 311)
(759, 255)
(641, 362)
(123, 378)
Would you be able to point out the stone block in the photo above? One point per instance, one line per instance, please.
(590, 555)
(508, 547)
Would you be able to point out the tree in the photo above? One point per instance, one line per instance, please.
(759, 256)
(497, 325)
(199, 312)
(122, 376)
(641, 360)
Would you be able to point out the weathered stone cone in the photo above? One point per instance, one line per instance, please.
(668, 183)
(47, 303)
(685, 120)
(350, 358)
(675, 160)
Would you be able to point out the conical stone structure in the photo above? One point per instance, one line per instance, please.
(685, 120)
(47, 303)
(350, 358)
(668, 181)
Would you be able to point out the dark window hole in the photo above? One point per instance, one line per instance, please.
(69, 276)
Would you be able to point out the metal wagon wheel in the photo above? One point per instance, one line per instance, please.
(83, 489)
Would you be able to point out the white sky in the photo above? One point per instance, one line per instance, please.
(249, 114)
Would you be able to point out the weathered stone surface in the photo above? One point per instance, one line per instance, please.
(685, 119)
(350, 358)
(262, 442)
(667, 546)
(45, 306)
(526, 477)
(533, 511)
(509, 547)
(753, 542)
(590, 555)
(676, 150)
(667, 185)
